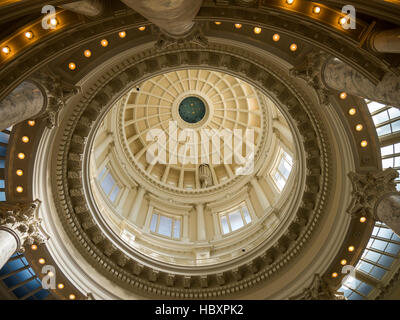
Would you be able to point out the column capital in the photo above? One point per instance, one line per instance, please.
(22, 221)
(369, 189)
(319, 289)
(57, 90)
(311, 71)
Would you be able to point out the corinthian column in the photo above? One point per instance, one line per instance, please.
(201, 226)
(326, 73)
(375, 196)
(137, 204)
(19, 227)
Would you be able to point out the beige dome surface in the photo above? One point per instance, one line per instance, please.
(230, 104)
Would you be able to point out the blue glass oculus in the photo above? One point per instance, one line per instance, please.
(192, 109)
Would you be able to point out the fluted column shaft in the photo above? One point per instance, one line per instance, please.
(387, 41)
(175, 17)
(25, 102)
(8, 245)
(339, 76)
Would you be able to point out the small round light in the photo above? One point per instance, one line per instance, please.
(29, 35)
(54, 22)
(238, 25)
(217, 23)
(276, 37)
(343, 262)
(72, 66)
(19, 189)
(104, 43)
(352, 111)
(363, 219)
(142, 28)
(257, 30)
(289, 1)
(343, 95)
(87, 53)
(317, 10)
(364, 143)
(293, 47)
(359, 127)
(71, 297)
(342, 20)
(25, 139)
(122, 34)
(6, 50)
(334, 275)
(21, 156)
(60, 286)
(351, 248)
(31, 123)
(34, 247)
(50, 274)
(19, 172)
(42, 261)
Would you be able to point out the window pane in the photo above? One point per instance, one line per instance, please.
(279, 181)
(107, 183)
(387, 163)
(4, 137)
(177, 229)
(114, 194)
(383, 130)
(153, 223)
(236, 221)
(165, 227)
(385, 151)
(375, 106)
(394, 113)
(380, 117)
(102, 173)
(396, 126)
(224, 225)
(246, 214)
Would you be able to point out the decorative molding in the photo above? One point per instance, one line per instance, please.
(319, 289)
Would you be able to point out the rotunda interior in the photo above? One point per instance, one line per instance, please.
(215, 149)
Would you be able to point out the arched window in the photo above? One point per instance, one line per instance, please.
(234, 219)
(109, 185)
(167, 226)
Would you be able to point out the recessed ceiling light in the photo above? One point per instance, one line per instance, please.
(122, 34)
(351, 248)
(34, 247)
(352, 111)
(334, 275)
(42, 261)
(317, 10)
(19, 189)
(343, 262)
(257, 30)
(21, 155)
(29, 35)
(343, 95)
(363, 219)
(104, 43)
(293, 47)
(342, 21)
(289, 1)
(25, 139)
(31, 123)
(19, 172)
(54, 22)
(364, 143)
(217, 23)
(6, 50)
(72, 66)
(238, 25)
(359, 127)
(60, 286)
(87, 53)
(276, 37)
(72, 296)
(142, 28)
